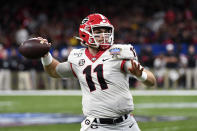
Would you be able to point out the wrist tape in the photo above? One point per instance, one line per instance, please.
(143, 77)
(47, 60)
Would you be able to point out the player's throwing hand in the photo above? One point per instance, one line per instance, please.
(136, 69)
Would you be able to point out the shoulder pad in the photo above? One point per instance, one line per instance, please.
(75, 54)
(121, 51)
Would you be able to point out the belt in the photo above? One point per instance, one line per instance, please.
(111, 120)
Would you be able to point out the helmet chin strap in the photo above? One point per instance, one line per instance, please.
(78, 38)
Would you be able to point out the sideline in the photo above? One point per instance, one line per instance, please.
(25, 119)
(78, 93)
(171, 105)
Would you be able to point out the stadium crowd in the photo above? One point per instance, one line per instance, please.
(164, 34)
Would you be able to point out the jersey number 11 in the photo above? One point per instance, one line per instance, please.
(101, 80)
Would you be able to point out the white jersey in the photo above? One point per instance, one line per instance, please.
(104, 84)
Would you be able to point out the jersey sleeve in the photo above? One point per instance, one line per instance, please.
(74, 56)
(64, 69)
(73, 60)
(71, 55)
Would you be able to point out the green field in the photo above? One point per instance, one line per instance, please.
(72, 105)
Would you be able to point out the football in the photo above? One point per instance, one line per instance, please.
(33, 48)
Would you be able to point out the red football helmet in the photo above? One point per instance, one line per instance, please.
(87, 34)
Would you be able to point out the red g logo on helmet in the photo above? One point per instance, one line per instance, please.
(87, 36)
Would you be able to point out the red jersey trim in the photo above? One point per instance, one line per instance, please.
(91, 57)
(122, 65)
(73, 70)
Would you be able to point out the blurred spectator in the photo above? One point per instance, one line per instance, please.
(171, 60)
(159, 69)
(188, 14)
(14, 63)
(170, 17)
(39, 79)
(21, 35)
(5, 74)
(64, 53)
(171, 57)
(183, 61)
(24, 76)
(191, 72)
(194, 38)
(155, 23)
(1, 51)
(146, 56)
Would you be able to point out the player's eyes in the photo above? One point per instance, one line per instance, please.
(97, 32)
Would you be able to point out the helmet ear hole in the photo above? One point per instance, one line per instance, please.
(83, 36)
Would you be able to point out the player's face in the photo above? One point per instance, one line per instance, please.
(102, 34)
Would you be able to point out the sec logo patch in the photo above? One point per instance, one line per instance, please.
(81, 62)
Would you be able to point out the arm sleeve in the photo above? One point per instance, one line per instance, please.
(64, 69)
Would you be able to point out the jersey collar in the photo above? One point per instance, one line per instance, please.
(91, 57)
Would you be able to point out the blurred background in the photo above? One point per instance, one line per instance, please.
(164, 34)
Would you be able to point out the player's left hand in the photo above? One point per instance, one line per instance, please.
(136, 69)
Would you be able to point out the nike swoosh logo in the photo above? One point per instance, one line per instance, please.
(106, 59)
(131, 125)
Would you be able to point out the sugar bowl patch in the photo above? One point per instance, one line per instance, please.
(115, 51)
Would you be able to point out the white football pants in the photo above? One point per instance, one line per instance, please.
(129, 124)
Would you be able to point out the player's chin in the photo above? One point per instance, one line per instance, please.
(104, 46)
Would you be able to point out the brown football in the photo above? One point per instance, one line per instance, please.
(33, 49)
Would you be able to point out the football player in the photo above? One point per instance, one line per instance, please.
(102, 68)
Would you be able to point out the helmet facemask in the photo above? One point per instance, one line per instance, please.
(101, 37)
